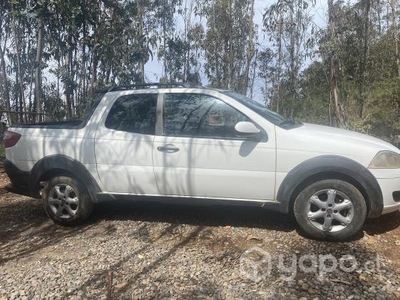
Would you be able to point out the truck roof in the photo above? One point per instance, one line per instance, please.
(107, 89)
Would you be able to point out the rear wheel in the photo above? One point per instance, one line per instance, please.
(66, 201)
(331, 210)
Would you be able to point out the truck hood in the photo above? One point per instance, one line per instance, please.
(320, 140)
(328, 132)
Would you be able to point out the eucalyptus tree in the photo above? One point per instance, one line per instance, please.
(287, 22)
(395, 32)
(4, 39)
(192, 36)
(357, 52)
(182, 52)
(364, 42)
(65, 30)
(228, 46)
(97, 43)
(266, 71)
(21, 55)
(163, 20)
(334, 61)
(345, 45)
(41, 13)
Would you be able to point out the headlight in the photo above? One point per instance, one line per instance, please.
(386, 160)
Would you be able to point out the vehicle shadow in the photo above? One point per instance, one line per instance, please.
(201, 217)
(219, 215)
(382, 224)
(214, 215)
(25, 228)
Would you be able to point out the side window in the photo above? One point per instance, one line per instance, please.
(134, 113)
(200, 115)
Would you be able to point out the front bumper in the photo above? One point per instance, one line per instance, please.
(19, 179)
(389, 182)
(388, 187)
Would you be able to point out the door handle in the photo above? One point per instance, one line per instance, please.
(168, 148)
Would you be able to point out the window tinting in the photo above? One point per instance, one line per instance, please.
(134, 113)
(200, 115)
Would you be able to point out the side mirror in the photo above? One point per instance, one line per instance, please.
(247, 128)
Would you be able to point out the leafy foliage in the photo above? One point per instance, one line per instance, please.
(55, 53)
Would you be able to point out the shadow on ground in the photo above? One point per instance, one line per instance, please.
(218, 215)
(383, 224)
(235, 216)
(25, 228)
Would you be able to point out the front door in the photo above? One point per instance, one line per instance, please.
(200, 154)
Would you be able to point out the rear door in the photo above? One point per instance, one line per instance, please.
(200, 154)
(124, 143)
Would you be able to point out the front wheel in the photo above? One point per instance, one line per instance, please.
(331, 210)
(66, 201)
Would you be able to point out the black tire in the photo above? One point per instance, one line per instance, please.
(317, 216)
(66, 201)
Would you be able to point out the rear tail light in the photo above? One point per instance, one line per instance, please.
(10, 139)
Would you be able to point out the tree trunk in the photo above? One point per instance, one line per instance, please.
(253, 77)
(83, 76)
(279, 67)
(95, 63)
(140, 13)
(363, 58)
(293, 72)
(19, 77)
(6, 92)
(250, 51)
(231, 83)
(393, 5)
(68, 83)
(164, 34)
(333, 68)
(187, 26)
(38, 70)
(218, 74)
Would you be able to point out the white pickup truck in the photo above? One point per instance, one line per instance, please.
(198, 145)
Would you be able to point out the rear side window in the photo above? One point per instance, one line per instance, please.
(134, 113)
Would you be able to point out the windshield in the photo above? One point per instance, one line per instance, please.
(271, 116)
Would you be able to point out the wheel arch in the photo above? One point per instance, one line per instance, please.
(59, 165)
(331, 167)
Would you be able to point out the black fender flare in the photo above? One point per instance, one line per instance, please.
(329, 167)
(62, 163)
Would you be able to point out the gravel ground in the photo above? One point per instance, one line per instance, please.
(139, 250)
